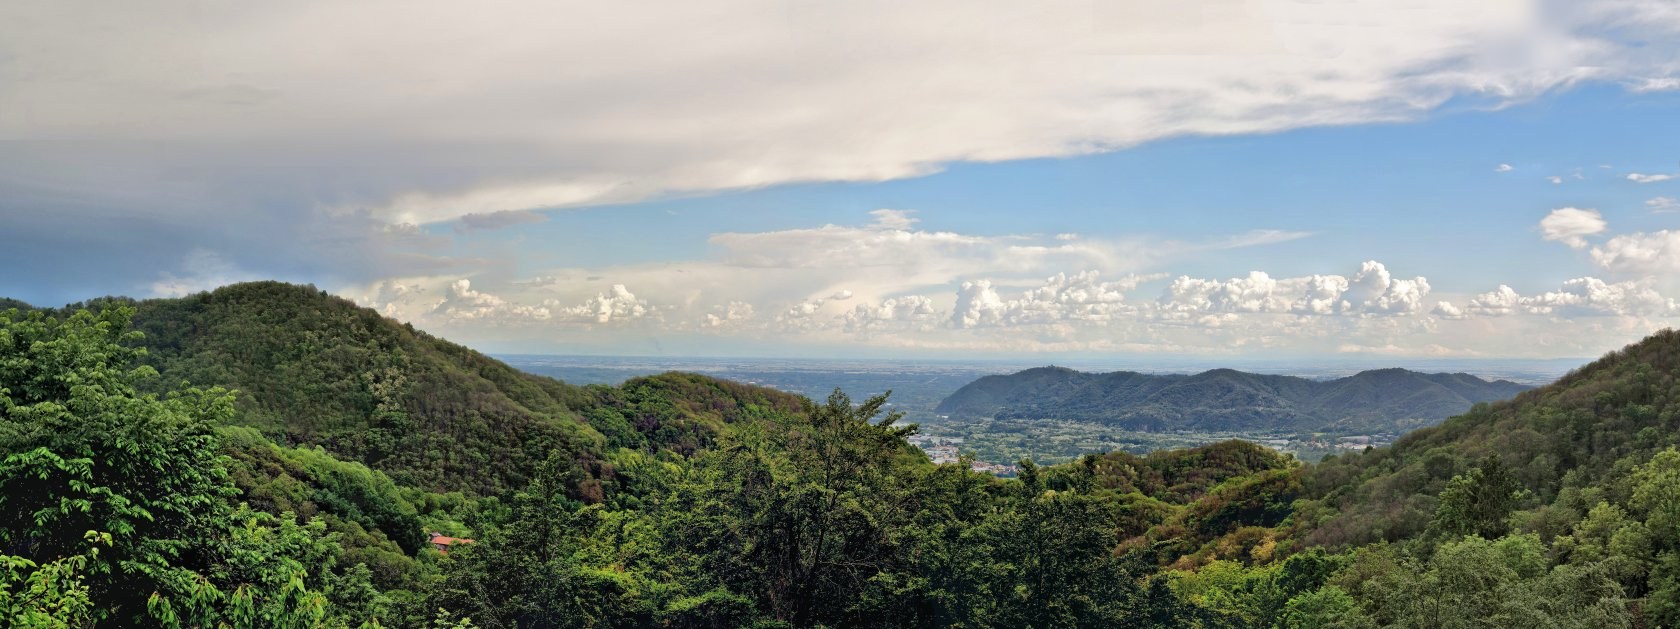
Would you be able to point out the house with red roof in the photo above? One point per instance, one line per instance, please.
(442, 542)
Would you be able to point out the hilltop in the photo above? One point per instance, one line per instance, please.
(1383, 400)
(313, 369)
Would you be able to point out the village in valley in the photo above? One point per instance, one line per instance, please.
(947, 450)
(996, 447)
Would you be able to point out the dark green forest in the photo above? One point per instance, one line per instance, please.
(267, 455)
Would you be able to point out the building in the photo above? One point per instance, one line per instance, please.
(442, 542)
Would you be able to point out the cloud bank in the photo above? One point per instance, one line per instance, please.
(305, 139)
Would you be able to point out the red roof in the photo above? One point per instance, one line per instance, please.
(443, 542)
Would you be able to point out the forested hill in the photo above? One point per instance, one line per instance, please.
(310, 368)
(1384, 400)
(129, 499)
(1564, 447)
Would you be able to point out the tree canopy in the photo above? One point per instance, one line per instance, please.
(134, 491)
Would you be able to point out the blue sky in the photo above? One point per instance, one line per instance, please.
(1424, 192)
(1286, 179)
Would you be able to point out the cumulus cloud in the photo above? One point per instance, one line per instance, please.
(1503, 168)
(1081, 297)
(732, 314)
(1569, 226)
(1642, 254)
(1663, 205)
(1321, 295)
(1372, 290)
(1593, 296)
(1500, 301)
(802, 316)
(1649, 178)
(911, 310)
(1258, 292)
(617, 304)
(461, 302)
(1556, 180)
(1655, 252)
(1368, 310)
(1585, 296)
(978, 304)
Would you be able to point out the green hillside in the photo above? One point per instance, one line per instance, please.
(1383, 400)
(679, 500)
(314, 369)
(1563, 445)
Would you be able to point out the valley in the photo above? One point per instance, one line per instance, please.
(996, 443)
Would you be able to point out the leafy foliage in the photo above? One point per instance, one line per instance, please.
(679, 500)
(118, 506)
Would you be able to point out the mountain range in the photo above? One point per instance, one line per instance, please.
(1380, 400)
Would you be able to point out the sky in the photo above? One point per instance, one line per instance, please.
(1224, 178)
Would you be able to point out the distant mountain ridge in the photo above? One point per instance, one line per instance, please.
(1385, 400)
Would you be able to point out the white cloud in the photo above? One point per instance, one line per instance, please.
(617, 304)
(1367, 311)
(1585, 296)
(1372, 290)
(1322, 295)
(1257, 292)
(1655, 252)
(892, 284)
(1569, 225)
(1503, 168)
(889, 256)
(912, 310)
(1501, 301)
(1649, 178)
(1081, 297)
(1641, 254)
(1593, 296)
(734, 313)
(461, 302)
(1556, 180)
(978, 304)
(893, 219)
(1662, 84)
(802, 316)
(1663, 205)
(569, 104)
